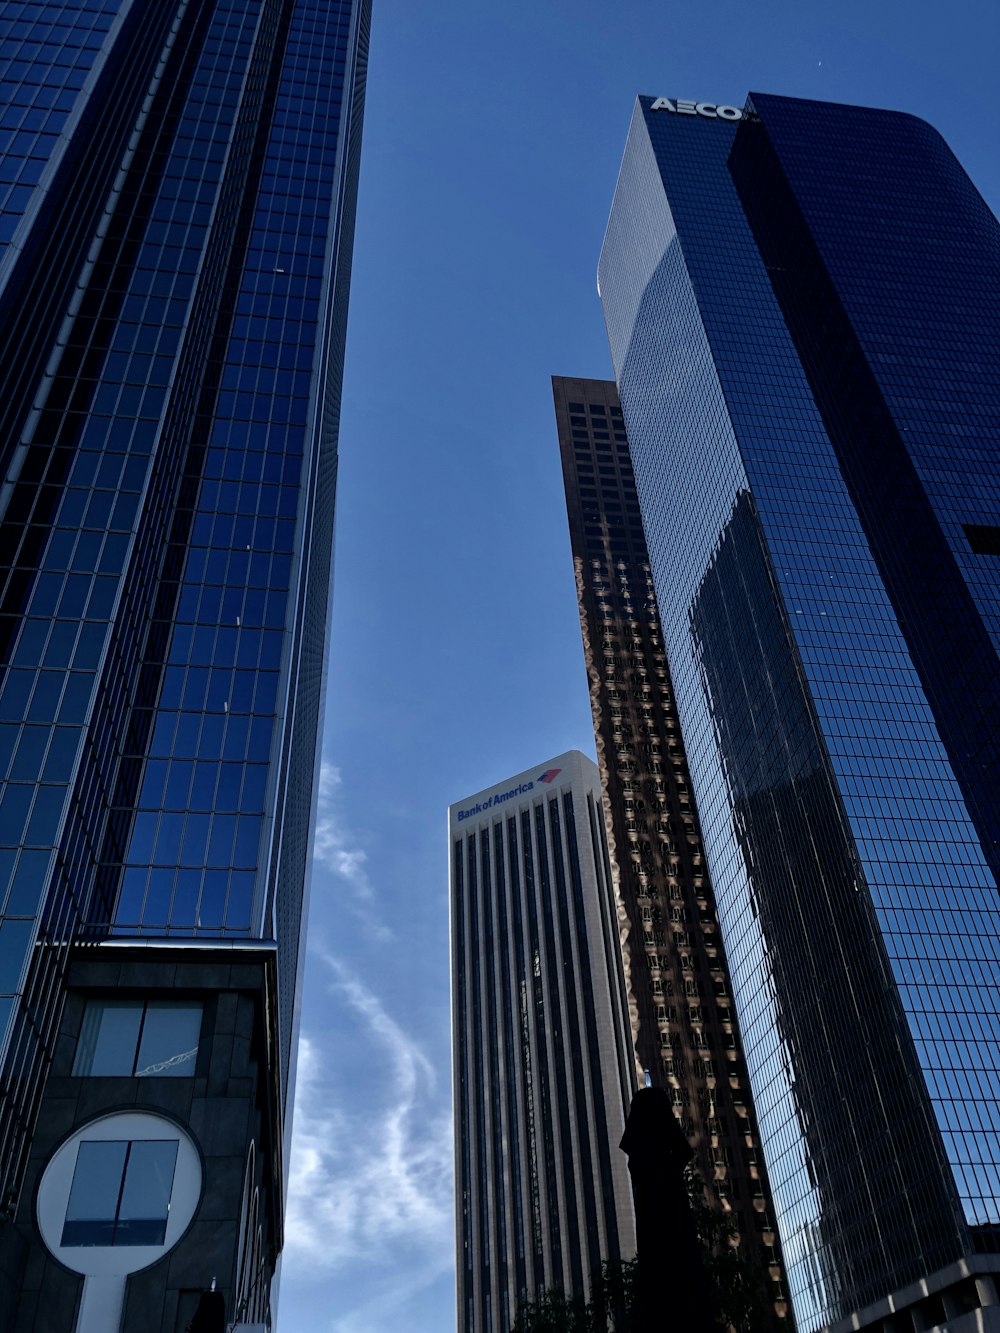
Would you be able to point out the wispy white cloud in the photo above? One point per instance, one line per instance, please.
(370, 1180)
(332, 846)
(381, 1310)
(336, 849)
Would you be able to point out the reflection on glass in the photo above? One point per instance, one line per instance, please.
(108, 1037)
(169, 1040)
(120, 1193)
(93, 1197)
(126, 1037)
(145, 1200)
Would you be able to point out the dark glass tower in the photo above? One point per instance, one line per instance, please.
(679, 993)
(178, 182)
(802, 306)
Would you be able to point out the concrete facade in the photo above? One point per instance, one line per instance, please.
(228, 1107)
(542, 1056)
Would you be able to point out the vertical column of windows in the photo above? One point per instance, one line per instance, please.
(463, 1088)
(534, 1259)
(579, 1005)
(511, 1145)
(228, 86)
(204, 790)
(479, 1117)
(601, 854)
(542, 1024)
(592, 1044)
(191, 855)
(89, 537)
(895, 433)
(214, 728)
(495, 1132)
(552, 970)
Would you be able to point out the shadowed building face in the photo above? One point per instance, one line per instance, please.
(177, 185)
(791, 301)
(680, 996)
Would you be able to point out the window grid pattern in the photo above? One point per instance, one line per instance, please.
(915, 440)
(98, 443)
(679, 990)
(847, 867)
(47, 50)
(192, 847)
(536, 1065)
(166, 549)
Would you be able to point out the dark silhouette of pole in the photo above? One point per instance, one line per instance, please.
(673, 1285)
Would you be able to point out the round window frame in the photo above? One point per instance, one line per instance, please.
(56, 1181)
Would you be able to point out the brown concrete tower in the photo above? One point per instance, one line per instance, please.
(684, 1029)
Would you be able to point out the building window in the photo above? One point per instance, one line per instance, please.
(159, 1037)
(120, 1193)
(984, 538)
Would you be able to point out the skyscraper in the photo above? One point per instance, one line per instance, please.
(801, 305)
(543, 1069)
(179, 181)
(678, 982)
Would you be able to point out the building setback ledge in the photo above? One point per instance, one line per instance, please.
(938, 1303)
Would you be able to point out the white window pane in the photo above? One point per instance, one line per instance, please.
(169, 1042)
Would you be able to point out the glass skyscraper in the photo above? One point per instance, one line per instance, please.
(178, 182)
(801, 301)
(679, 994)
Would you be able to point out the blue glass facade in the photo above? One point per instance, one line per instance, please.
(180, 182)
(802, 312)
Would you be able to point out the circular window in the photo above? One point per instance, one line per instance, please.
(119, 1193)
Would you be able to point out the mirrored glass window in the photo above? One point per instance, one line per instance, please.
(169, 1041)
(93, 1198)
(130, 1037)
(145, 1196)
(120, 1193)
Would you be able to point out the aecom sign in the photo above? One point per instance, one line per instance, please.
(709, 109)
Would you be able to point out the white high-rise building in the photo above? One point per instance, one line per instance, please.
(542, 1053)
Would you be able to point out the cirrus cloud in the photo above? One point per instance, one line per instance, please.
(370, 1179)
(336, 851)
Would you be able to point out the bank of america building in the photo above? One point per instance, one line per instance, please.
(802, 306)
(177, 183)
(543, 1065)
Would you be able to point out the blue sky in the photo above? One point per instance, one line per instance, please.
(492, 140)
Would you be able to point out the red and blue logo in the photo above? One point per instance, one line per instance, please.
(550, 775)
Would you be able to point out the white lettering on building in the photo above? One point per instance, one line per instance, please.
(711, 110)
